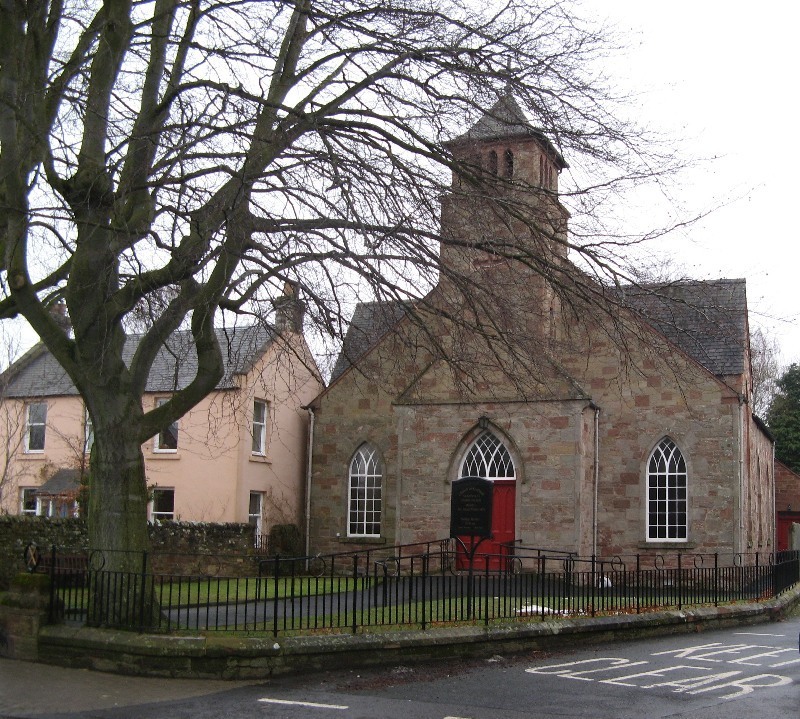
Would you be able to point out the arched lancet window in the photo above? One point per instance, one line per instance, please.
(364, 503)
(508, 163)
(493, 162)
(667, 504)
(488, 458)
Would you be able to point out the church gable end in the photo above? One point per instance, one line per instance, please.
(628, 419)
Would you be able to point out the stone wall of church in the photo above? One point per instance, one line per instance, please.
(759, 501)
(356, 409)
(544, 441)
(642, 396)
(422, 447)
(646, 393)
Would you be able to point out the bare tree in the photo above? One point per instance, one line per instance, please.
(194, 155)
(765, 369)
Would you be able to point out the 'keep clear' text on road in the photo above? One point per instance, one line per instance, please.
(727, 670)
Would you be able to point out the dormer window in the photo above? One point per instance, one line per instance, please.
(508, 164)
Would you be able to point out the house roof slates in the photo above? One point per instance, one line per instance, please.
(174, 367)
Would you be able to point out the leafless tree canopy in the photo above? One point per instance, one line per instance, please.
(224, 147)
(766, 369)
(178, 161)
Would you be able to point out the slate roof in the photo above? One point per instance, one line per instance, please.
(38, 374)
(371, 320)
(705, 319)
(506, 120)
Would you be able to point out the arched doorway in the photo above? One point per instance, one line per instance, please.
(487, 457)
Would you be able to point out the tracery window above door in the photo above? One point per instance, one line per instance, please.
(489, 458)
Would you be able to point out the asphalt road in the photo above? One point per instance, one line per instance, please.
(733, 674)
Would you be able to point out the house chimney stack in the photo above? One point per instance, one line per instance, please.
(289, 310)
(58, 312)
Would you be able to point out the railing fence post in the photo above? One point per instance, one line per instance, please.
(486, 592)
(543, 577)
(424, 587)
(355, 593)
(276, 588)
(51, 612)
(143, 580)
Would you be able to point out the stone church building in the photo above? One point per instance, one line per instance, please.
(611, 420)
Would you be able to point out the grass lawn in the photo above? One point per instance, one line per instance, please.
(233, 591)
(419, 614)
(179, 592)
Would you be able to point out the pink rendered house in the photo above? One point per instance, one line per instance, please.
(239, 456)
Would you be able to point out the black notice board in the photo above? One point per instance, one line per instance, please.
(471, 507)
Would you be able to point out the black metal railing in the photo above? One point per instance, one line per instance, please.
(416, 585)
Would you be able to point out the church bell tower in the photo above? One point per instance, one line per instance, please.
(502, 221)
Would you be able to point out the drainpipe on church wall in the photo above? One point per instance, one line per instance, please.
(596, 476)
(774, 522)
(742, 539)
(309, 467)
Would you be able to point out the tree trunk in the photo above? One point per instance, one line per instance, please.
(119, 542)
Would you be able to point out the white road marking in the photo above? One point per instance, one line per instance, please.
(310, 705)
(684, 678)
(746, 685)
(756, 634)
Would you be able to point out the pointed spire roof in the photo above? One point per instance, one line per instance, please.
(506, 120)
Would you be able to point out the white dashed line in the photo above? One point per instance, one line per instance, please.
(756, 634)
(310, 705)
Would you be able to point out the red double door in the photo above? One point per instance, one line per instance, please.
(491, 551)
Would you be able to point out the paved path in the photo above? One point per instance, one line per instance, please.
(37, 690)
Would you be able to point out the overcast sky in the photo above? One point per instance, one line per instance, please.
(723, 76)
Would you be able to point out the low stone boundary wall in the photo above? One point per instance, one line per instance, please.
(23, 612)
(17, 532)
(178, 547)
(229, 657)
